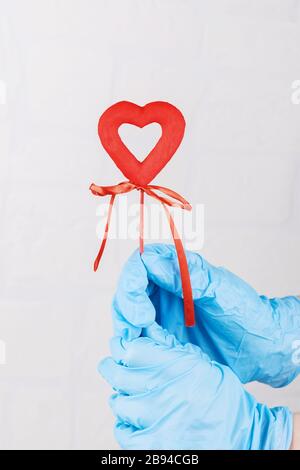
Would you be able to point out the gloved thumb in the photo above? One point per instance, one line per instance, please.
(162, 268)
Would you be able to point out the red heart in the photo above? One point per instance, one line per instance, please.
(172, 124)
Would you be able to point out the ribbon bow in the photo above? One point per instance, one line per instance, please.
(173, 199)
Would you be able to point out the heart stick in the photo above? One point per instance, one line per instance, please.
(140, 174)
(142, 221)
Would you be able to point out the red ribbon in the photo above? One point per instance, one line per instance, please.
(173, 199)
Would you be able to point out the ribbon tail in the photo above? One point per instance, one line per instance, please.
(103, 243)
(188, 303)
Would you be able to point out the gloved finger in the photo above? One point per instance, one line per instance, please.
(162, 336)
(121, 378)
(144, 353)
(132, 308)
(128, 436)
(146, 409)
(162, 268)
(130, 380)
(131, 438)
(148, 366)
(218, 291)
(140, 352)
(136, 353)
(131, 409)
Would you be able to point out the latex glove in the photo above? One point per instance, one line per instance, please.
(256, 336)
(172, 396)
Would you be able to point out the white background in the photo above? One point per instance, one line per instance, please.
(229, 66)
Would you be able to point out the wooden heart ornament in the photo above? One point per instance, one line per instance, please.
(166, 115)
(140, 174)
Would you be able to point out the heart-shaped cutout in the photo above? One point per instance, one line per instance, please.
(140, 141)
(172, 124)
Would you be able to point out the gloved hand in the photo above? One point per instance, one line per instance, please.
(253, 335)
(171, 396)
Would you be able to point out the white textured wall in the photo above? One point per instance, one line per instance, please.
(229, 66)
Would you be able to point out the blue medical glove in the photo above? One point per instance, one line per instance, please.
(257, 337)
(172, 396)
